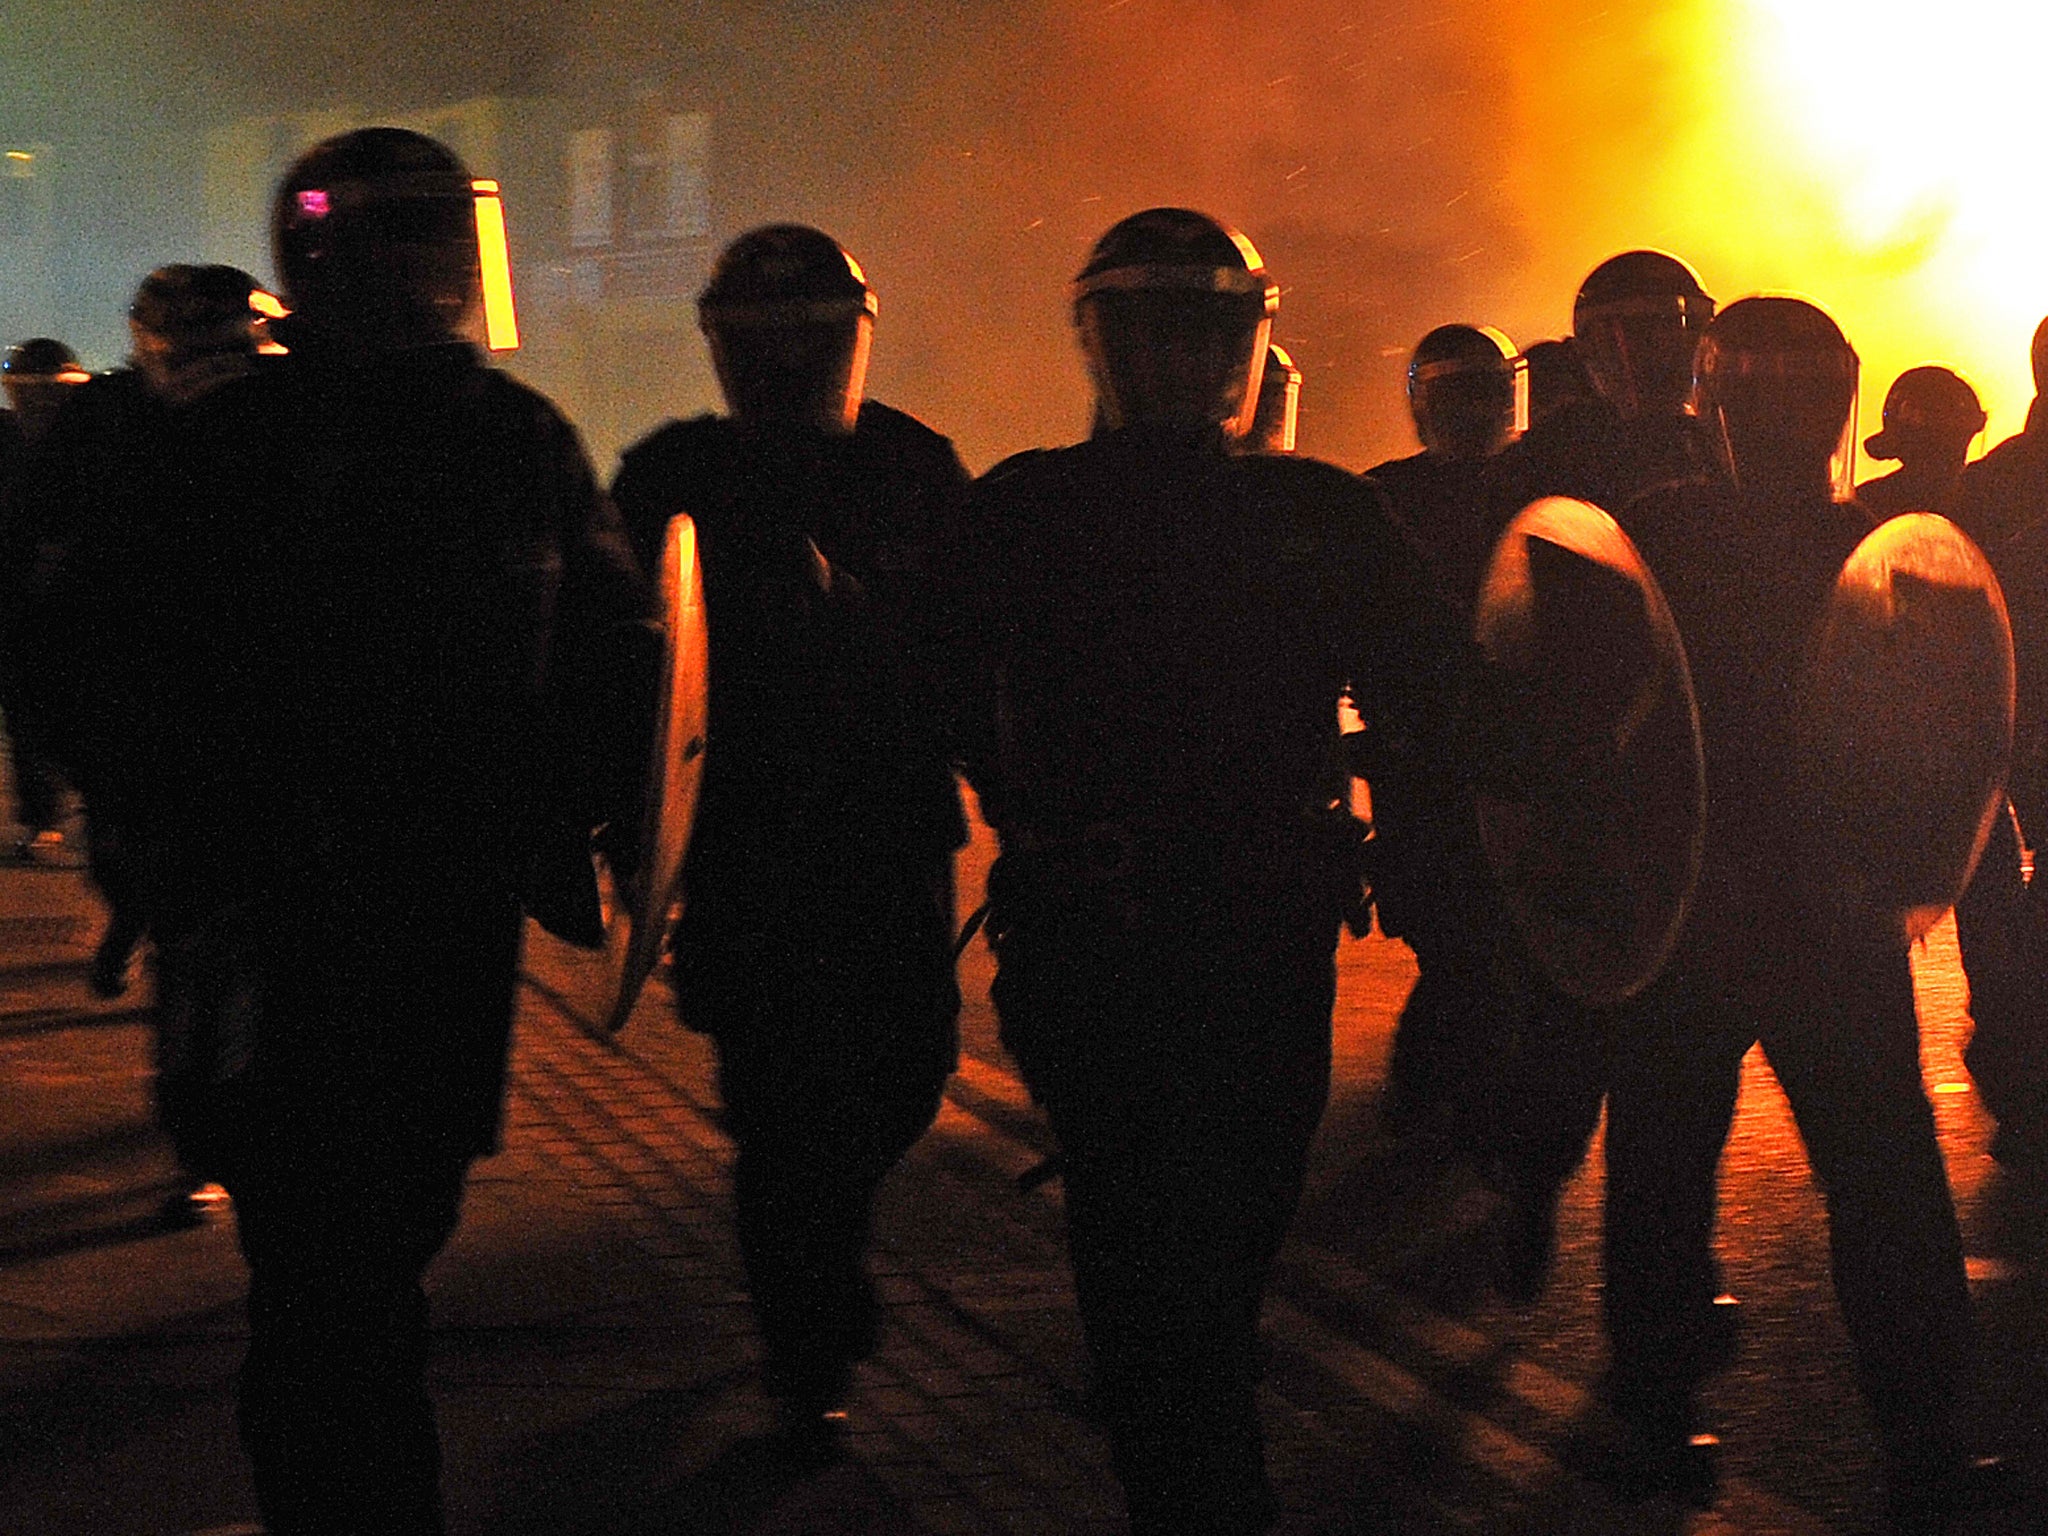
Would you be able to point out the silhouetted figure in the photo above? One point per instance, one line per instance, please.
(1430, 880)
(1931, 416)
(1467, 393)
(1160, 631)
(192, 329)
(1635, 322)
(375, 596)
(1279, 409)
(815, 945)
(38, 376)
(1557, 378)
(1748, 567)
(2004, 495)
(2002, 502)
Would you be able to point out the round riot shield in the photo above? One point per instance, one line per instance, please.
(1592, 806)
(639, 922)
(1905, 727)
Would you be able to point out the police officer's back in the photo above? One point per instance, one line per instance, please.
(1748, 567)
(378, 582)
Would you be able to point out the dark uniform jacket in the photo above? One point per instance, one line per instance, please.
(828, 812)
(92, 477)
(352, 629)
(823, 708)
(1748, 577)
(2002, 503)
(1163, 631)
(1451, 509)
(1586, 451)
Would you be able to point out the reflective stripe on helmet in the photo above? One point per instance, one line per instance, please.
(791, 311)
(1182, 279)
(1687, 308)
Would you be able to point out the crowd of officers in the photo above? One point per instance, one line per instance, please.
(343, 647)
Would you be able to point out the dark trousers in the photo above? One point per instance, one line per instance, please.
(333, 1405)
(1448, 1042)
(1436, 894)
(836, 1031)
(1840, 1033)
(38, 789)
(2002, 929)
(1550, 1081)
(1184, 1081)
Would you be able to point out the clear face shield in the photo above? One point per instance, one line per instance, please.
(1177, 347)
(1640, 351)
(1279, 408)
(800, 364)
(1469, 408)
(1774, 414)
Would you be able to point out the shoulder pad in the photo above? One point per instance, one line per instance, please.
(888, 422)
(676, 447)
(1017, 465)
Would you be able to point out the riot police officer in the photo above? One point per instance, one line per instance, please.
(1931, 416)
(192, 329)
(1467, 394)
(814, 946)
(374, 600)
(1635, 322)
(1748, 566)
(2002, 502)
(38, 376)
(1556, 378)
(1159, 633)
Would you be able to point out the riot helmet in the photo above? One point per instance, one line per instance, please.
(2038, 355)
(1279, 407)
(789, 317)
(37, 374)
(1636, 320)
(1776, 385)
(1930, 412)
(376, 241)
(1557, 378)
(1175, 312)
(190, 322)
(1468, 391)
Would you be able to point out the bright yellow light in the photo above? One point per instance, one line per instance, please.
(20, 154)
(267, 304)
(1916, 127)
(501, 323)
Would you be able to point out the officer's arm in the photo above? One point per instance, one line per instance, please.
(604, 660)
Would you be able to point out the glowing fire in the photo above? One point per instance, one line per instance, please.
(1874, 155)
(1919, 126)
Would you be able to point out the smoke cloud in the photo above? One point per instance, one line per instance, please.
(1400, 163)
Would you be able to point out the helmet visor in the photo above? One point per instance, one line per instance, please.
(1170, 357)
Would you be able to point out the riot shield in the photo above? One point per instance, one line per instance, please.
(1905, 726)
(639, 920)
(1592, 795)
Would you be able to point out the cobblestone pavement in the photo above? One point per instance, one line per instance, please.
(595, 1359)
